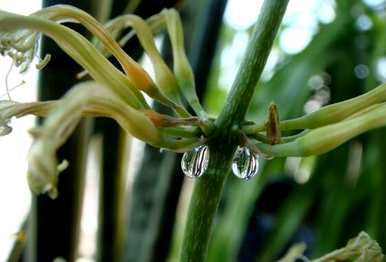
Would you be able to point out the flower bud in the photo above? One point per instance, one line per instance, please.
(42, 172)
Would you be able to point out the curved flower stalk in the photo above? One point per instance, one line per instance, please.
(95, 101)
(327, 138)
(65, 13)
(9, 109)
(139, 77)
(155, 23)
(326, 128)
(328, 114)
(182, 68)
(78, 48)
(164, 77)
(85, 99)
(184, 79)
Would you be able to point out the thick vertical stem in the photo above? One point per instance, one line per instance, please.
(208, 189)
(206, 197)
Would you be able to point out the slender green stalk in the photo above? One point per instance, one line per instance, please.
(208, 189)
(324, 139)
(330, 114)
(253, 64)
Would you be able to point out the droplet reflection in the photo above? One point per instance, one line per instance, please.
(245, 163)
(195, 162)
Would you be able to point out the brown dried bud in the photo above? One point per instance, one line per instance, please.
(273, 125)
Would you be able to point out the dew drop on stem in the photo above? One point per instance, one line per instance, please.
(245, 163)
(194, 163)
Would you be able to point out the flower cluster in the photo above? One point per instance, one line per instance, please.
(117, 93)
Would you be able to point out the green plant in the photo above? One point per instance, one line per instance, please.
(119, 96)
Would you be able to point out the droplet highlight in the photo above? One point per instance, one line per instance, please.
(245, 163)
(194, 163)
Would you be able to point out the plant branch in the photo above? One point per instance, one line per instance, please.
(208, 189)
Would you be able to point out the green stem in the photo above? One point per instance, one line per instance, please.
(208, 189)
(253, 63)
(205, 199)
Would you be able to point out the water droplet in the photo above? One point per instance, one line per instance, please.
(245, 163)
(195, 162)
(5, 130)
